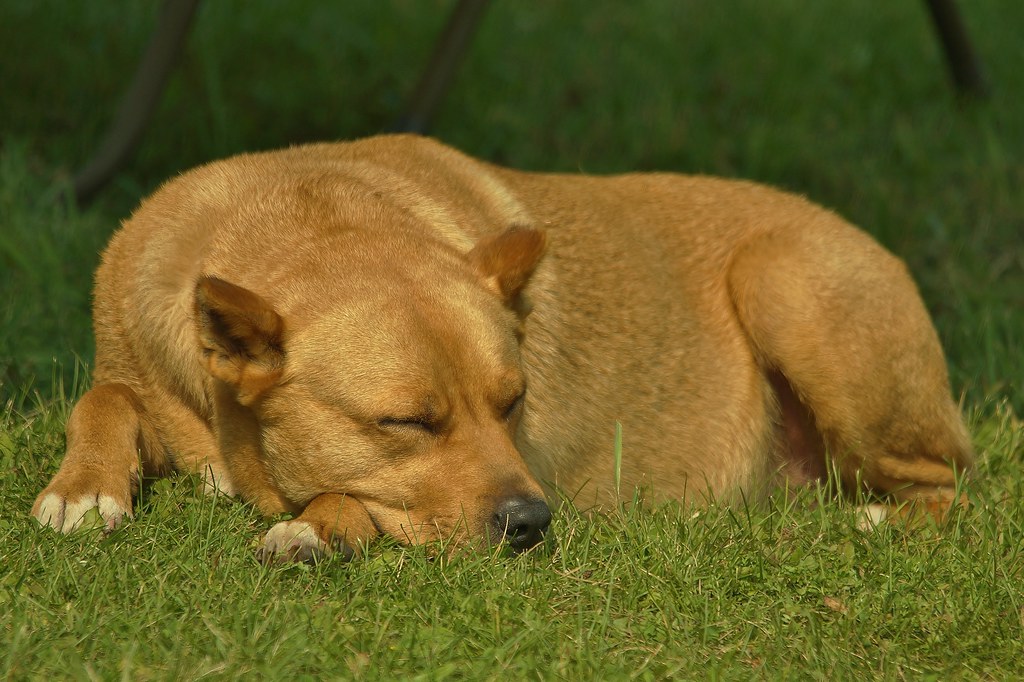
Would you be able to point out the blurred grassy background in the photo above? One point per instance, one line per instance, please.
(847, 103)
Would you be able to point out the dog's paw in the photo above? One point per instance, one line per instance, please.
(216, 481)
(290, 541)
(870, 516)
(65, 514)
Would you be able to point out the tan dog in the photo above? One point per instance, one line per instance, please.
(370, 336)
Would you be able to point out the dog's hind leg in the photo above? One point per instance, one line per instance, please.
(836, 319)
(331, 523)
(108, 438)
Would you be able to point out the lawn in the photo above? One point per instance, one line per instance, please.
(846, 103)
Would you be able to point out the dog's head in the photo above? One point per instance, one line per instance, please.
(395, 378)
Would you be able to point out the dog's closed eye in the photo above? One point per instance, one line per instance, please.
(424, 424)
(513, 407)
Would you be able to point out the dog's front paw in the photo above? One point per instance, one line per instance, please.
(290, 541)
(871, 516)
(217, 481)
(66, 513)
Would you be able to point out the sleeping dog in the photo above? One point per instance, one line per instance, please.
(389, 337)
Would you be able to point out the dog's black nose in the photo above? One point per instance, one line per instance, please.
(522, 522)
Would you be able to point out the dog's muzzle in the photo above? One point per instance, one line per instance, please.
(522, 522)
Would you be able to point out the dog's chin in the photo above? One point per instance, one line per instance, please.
(402, 526)
(446, 536)
(469, 546)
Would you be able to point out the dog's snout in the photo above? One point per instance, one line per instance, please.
(523, 522)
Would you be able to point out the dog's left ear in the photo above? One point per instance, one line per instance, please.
(241, 336)
(506, 261)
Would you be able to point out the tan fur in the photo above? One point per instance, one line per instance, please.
(345, 331)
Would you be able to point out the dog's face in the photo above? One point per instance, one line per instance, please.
(404, 389)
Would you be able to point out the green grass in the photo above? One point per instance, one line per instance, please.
(845, 104)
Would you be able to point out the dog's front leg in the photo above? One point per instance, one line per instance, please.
(108, 437)
(330, 523)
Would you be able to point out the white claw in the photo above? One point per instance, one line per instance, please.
(64, 516)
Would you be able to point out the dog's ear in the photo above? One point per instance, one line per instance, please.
(507, 260)
(241, 337)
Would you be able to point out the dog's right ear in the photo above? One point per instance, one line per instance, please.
(241, 335)
(507, 260)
